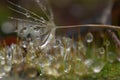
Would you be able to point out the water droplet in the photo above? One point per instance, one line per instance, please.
(80, 45)
(9, 52)
(101, 50)
(19, 6)
(111, 57)
(97, 69)
(95, 64)
(88, 62)
(13, 46)
(107, 43)
(67, 43)
(7, 68)
(80, 68)
(2, 62)
(2, 74)
(51, 71)
(17, 56)
(118, 59)
(41, 74)
(67, 69)
(24, 44)
(43, 20)
(32, 73)
(89, 37)
(2, 58)
(57, 43)
(27, 15)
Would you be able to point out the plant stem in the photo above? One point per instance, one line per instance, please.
(114, 37)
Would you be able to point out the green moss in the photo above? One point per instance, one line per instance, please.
(109, 72)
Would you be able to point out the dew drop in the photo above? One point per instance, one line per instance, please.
(19, 6)
(27, 15)
(32, 73)
(2, 74)
(80, 68)
(95, 65)
(42, 18)
(89, 37)
(23, 32)
(80, 45)
(101, 50)
(13, 46)
(111, 57)
(24, 46)
(107, 43)
(2, 62)
(51, 71)
(88, 62)
(17, 54)
(67, 43)
(118, 59)
(67, 69)
(97, 69)
(57, 43)
(2, 58)
(9, 52)
(7, 68)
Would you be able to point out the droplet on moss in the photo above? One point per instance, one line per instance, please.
(101, 50)
(89, 37)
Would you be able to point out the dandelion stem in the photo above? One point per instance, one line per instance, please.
(91, 26)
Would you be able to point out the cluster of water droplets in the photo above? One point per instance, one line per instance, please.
(66, 56)
(5, 61)
(89, 37)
